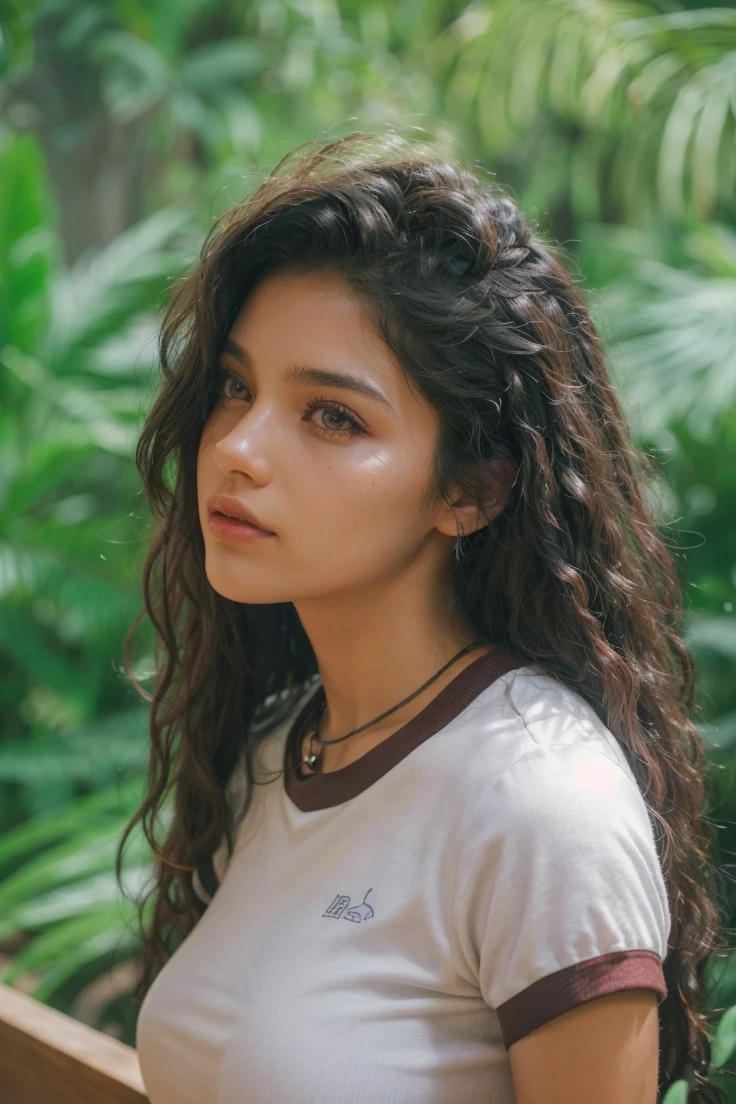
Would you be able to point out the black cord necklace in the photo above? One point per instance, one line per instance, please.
(311, 759)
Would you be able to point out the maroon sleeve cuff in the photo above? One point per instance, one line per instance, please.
(576, 984)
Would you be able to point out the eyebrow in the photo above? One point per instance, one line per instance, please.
(303, 373)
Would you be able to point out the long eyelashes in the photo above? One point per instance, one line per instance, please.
(353, 429)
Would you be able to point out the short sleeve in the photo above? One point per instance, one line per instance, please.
(560, 896)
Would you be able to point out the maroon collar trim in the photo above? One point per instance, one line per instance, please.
(321, 791)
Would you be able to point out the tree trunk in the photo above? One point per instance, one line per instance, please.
(96, 163)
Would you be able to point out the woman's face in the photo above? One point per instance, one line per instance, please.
(337, 474)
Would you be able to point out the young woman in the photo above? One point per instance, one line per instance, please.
(437, 832)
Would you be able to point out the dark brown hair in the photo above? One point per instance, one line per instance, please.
(573, 575)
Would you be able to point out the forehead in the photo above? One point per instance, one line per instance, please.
(309, 313)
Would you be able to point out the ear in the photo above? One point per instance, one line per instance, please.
(463, 516)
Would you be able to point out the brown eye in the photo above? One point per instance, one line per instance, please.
(221, 388)
(335, 410)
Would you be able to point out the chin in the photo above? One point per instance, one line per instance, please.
(249, 596)
(240, 584)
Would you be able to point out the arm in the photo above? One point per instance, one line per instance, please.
(605, 1051)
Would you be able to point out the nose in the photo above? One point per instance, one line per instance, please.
(244, 447)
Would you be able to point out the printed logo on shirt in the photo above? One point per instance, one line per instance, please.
(339, 908)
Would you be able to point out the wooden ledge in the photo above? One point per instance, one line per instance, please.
(46, 1055)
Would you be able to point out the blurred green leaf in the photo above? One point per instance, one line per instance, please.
(724, 1040)
(211, 68)
(677, 1093)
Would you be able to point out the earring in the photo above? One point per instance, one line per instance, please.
(458, 543)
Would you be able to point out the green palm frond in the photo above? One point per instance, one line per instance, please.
(103, 293)
(92, 754)
(57, 886)
(25, 641)
(61, 618)
(69, 539)
(50, 827)
(652, 84)
(84, 854)
(68, 902)
(93, 414)
(672, 335)
(72, 946)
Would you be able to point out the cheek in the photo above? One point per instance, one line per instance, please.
(363, 508)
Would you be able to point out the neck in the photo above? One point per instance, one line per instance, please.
(375, 648)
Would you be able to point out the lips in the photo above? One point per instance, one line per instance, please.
(231, 507)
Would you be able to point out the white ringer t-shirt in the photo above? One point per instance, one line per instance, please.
(384, 933)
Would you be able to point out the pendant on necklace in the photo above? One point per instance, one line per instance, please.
(312, 758)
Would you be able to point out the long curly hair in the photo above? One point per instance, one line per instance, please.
(491, 328)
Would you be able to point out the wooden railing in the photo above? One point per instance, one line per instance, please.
(49, 1058)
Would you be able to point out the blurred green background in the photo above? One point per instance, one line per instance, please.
(126, 126)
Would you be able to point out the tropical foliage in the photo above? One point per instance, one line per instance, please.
(129, 124)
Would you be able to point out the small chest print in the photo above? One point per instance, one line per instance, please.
(339, 908)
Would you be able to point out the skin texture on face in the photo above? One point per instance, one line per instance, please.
(341, 487)
(343, 503)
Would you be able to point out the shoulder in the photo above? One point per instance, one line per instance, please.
(554, 714)
(529, 726)
(562, 770)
